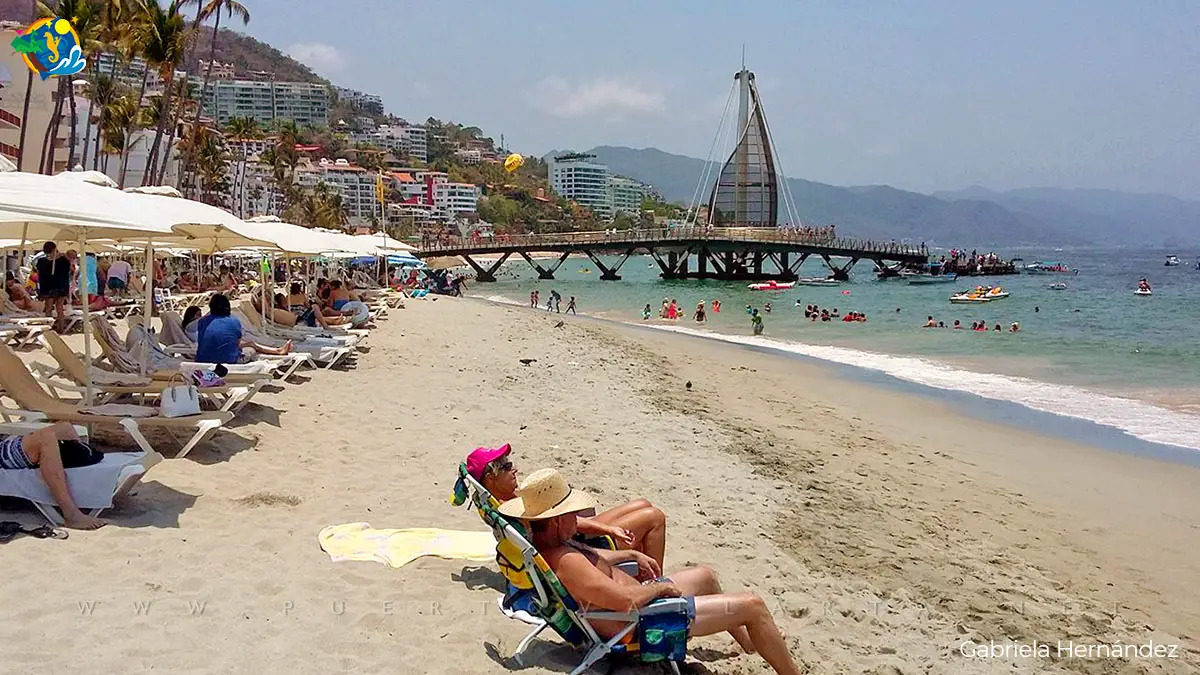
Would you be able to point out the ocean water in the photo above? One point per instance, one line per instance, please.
(1094, 351)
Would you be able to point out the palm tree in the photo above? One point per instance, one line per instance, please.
(164, 47)
(204, 10)
(183, 100)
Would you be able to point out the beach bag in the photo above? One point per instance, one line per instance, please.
(207, 379)
(663, 637)
(179, 400)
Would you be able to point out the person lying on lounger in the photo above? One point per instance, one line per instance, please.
(17, 293)
(550, 508)
(637, 525)
(307, 312)
(39, 450)
(219, 337)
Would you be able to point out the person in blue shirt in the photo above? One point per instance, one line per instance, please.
(219, 336)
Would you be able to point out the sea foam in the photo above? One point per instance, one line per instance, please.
(1136, 418)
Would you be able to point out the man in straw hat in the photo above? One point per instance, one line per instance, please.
(550, 507)
(637, 524)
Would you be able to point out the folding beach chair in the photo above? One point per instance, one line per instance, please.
(525, 568)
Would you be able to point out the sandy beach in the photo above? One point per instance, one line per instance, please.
(890, 533)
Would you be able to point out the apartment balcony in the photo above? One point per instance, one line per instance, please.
(9, 120)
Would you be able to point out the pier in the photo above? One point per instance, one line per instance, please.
(697, 252)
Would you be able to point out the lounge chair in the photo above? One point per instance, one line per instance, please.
(35, 405)
(229, 397)
(348, 337)
(93, 488)
(328, 352)
(283, 366)
(555, 607)
(163, 366)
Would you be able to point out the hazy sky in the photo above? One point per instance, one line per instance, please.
(923, 95)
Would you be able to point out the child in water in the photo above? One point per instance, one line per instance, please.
(716, 305)
(699, 315)
(756, 322)
(767, 308)
(646, 312)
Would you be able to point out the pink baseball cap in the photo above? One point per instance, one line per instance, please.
(479, 458)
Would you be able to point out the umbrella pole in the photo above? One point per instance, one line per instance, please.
(148, 312)
(21, 260)
(87, 319)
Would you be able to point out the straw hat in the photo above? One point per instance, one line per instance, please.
(545, 494)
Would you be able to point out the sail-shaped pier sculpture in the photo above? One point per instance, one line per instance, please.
(746, 193)
(735, 236)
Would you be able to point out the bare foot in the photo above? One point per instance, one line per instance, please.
(84, 522)
(287, 347)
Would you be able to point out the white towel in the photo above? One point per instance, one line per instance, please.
(92, 487)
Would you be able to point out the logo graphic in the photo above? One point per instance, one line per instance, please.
(51, 48)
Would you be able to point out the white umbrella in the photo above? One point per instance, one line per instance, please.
(45, 208)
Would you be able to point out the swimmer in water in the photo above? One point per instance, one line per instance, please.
(767, 308)
(647, 312)
(749, 310)
(699, 315)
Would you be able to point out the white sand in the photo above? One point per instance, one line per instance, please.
(885, 530)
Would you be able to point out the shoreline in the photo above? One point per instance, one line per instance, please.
(1169, 432)
(883, 529)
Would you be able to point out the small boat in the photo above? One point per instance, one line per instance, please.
(771, 286)
(1038, 267)
(1172, 261)
(924, 279)
(1143, 292)
(818, 281)
(978, 295)
(1060, 286)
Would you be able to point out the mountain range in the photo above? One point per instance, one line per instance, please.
(971, 218)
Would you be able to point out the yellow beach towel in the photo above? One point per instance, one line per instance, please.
(397, 548)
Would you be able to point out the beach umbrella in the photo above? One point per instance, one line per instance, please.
(46, 208)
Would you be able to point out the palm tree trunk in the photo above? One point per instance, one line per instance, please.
(74, 131)
(87, 134)
(162, 174)
(24, 121)
(212, 55)
(48, 149)
(164, 105)
(125, 141)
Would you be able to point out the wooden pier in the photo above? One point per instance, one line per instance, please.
(725, 253)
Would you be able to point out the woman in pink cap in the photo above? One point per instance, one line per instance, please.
(637, 525)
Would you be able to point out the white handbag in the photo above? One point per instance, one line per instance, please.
(179, 400)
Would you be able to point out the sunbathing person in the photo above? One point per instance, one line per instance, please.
(191, 322)
(551, 510)
(17, 293)
(308, 312)
(348, 303)
(637, 525)
(40, 450)
(219, 337)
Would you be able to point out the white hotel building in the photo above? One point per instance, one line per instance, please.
(580, 178)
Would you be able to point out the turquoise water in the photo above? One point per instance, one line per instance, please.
(1093, 351)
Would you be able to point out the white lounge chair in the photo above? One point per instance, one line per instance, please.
(93, 488)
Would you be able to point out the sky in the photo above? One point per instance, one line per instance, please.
(923, 95)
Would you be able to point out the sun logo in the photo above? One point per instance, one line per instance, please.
(50, 47)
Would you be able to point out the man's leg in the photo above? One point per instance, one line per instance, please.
(41, 447)
(729, 612)
(701, 581)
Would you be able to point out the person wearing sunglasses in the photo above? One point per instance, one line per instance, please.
(636, 525)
